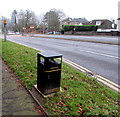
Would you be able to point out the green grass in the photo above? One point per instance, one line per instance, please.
(22, 60)
(0, 47)
(82, 96)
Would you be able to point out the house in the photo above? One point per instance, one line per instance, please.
(0, 30)
(118, 24)
(104, 24)
(79, 21)
(75, 21)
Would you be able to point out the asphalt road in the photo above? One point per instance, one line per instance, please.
(99, 39)
(99, 58)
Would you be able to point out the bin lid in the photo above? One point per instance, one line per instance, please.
(50, 54)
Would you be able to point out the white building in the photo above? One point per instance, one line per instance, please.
(0, 30)
(118, 24)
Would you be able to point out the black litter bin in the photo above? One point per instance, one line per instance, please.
(48, 72)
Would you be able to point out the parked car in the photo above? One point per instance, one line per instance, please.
(17, 33)
(10, 33)
(53, 32)
(50, 33)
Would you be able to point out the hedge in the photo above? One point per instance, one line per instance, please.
(79, 28)
(68, 27)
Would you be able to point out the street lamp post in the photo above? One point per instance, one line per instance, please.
(31, 27)
(5, 22)
(23, 30)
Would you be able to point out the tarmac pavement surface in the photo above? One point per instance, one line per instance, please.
(15, 98)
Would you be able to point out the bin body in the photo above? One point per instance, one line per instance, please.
(48, 72)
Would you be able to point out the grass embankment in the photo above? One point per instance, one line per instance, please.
(81, 96)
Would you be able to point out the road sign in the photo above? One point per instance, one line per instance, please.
(23, 28)
(31, 27)
(5, 22)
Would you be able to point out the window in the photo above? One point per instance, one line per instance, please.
(98, 23)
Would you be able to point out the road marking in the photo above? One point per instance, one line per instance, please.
(103, 80)
(73, 39)
(109, 85)
(74, 64)
(97, 53)
(24, 45)
(108, 81)
(82, 69)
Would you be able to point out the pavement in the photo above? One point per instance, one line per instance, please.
(15, 98)
(94, 39)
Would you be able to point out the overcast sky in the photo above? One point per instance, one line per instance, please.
(90, 9)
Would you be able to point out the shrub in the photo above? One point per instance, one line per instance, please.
(80, 28)
(68, 27)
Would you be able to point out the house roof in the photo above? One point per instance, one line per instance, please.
(100, 20)
(81, 20)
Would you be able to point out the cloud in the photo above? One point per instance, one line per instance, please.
(76, 8)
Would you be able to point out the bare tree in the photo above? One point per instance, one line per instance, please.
(14, 20)
(26, 19)
(21, 20)
(30, 18)
(53, 19)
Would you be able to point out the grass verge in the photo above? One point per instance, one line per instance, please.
(82, 96)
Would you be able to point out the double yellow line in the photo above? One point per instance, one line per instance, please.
(101, 79)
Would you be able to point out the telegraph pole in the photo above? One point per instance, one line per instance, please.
(5, 22)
